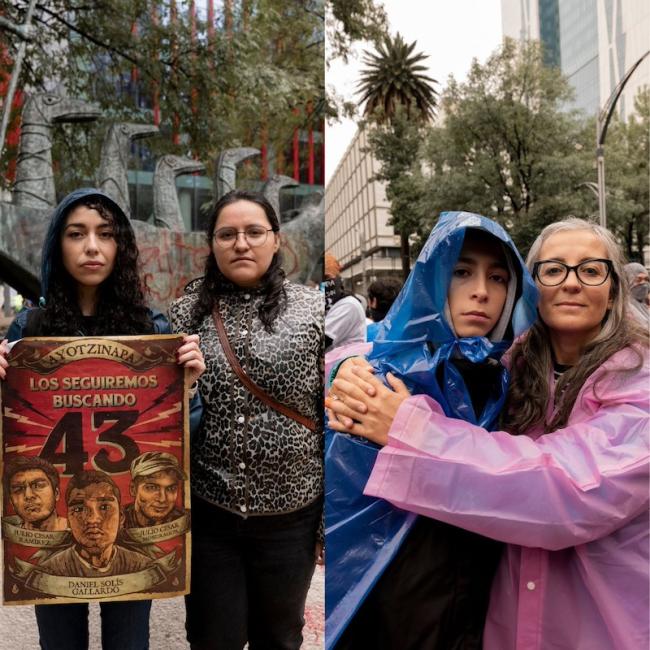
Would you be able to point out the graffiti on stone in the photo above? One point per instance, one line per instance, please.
(170, 257)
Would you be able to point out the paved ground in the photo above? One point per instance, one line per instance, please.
(18, 627)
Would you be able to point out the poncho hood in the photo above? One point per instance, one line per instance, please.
(416, 336)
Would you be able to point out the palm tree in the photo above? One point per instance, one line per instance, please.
(393, 82)
(393, 77)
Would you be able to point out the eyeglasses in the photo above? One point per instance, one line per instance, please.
(590, 272)
(255, 236)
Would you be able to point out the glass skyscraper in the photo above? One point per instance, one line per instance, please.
(594, 42)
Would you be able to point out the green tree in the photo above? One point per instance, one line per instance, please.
(399, 102)
(396, 147)
(254, 78)
(394, 78)
(506, 148)
(348, 21)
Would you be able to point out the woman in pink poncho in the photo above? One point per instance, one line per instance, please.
(570, 497)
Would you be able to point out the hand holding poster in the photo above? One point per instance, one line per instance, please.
(95, 470)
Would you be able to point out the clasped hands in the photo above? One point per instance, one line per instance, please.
(361, 404)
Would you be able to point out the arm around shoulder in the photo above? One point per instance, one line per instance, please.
(565, 488)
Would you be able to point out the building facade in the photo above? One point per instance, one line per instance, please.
(356, 229)
(594, 42)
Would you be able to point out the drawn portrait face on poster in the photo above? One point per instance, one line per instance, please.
(94, 515)
(156, 479)
(88, 512)
(33, 487)
(95, 519)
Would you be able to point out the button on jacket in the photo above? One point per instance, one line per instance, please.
(248, 458)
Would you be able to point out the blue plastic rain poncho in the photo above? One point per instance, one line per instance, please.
(416, 342)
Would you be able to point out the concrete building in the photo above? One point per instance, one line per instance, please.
(594, 42)
(356, 227)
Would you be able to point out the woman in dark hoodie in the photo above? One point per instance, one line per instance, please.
(91, 287)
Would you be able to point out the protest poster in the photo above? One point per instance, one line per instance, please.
(95, 459)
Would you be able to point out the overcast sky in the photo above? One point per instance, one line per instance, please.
(451, 33)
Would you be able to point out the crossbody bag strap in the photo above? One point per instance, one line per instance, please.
(256, 390)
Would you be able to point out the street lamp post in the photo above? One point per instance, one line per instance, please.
(591, 186)
(361, 234)
(601, 131)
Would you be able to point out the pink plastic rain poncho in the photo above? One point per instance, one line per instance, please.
(572, 504)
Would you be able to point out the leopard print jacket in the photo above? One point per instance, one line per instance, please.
(248, 458)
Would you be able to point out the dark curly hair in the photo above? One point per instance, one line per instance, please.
(215, 283)
(121, 305)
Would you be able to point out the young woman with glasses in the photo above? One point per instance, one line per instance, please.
(570, 495)
(257, 476)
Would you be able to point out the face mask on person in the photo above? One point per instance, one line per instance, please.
(640, 291)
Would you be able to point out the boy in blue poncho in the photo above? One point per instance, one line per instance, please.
(395, 580)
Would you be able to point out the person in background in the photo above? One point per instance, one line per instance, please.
(364, 305)
(638, 280)
(345, 318)
(381, 295)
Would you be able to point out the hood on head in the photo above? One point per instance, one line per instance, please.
(421, 313)
(56, 224)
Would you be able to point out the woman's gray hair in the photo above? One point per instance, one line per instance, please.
(532, 356)
(619, 290)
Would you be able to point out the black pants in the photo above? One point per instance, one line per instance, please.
(250, 578)
(125, 626)
(433, 595)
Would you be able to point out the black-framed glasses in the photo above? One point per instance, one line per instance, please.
(592, 273)
(255, 236)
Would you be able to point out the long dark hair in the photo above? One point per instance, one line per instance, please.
(121, 306)
(215, 283)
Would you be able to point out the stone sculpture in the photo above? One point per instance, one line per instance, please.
(272, 187)
(226, 169)
(34, 184)
(170, 257)
(112, 176)
(166, 209)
